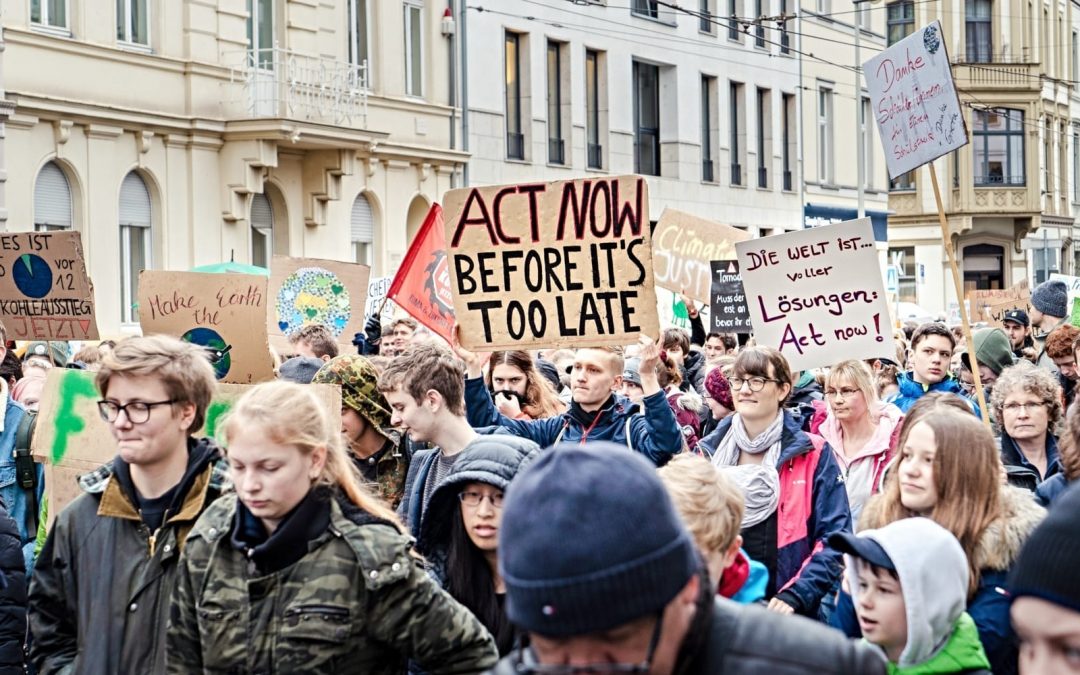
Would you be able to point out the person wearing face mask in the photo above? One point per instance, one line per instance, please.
(518, 389)
(1026, 404)
(460, 536)
(302, 570)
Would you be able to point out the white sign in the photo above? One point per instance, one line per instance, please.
(817, 295)
(376, 294)
(914, 101)
(892, 279)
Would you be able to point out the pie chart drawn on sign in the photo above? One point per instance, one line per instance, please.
(32, 275)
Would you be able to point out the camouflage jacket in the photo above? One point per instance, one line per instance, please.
(391, 469)
(357, 602)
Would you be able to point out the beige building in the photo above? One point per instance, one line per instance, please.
(186, 132)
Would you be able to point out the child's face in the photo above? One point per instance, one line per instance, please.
(880, 607)
(1049, 637)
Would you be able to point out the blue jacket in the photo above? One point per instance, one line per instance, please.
(813, 505)
(17, 500)
(1023, 473)
(1050, 489)
(412, 498)
(911, 391)
(654, 433)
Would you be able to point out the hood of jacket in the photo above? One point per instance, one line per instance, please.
(1001, 542)
(992, 349)
(888, 421)
(962, 653)
(909, 388)
(493, 459)
(688, 400)
(933, 574)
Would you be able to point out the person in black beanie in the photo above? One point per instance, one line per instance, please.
(601, 575)
(1045, 591)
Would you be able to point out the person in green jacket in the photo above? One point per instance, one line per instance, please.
(909, 584)
(304, 570)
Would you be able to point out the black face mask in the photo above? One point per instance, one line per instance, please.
(508, 393)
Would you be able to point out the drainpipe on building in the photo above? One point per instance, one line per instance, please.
(464, 41)
(448, 32)
(861, 163)
(801, 138)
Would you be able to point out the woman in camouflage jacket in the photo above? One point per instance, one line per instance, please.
(303, 571)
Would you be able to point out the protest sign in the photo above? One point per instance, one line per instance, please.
(567, 263)
(422, 284)
(307, 291)
(45, 293)
(685, 245)
(817, 295)
(914, 101)
(993, 313)
(728, 304)
(225, 313)
(72, 439)
(377, 290)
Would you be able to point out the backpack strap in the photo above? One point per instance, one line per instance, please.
(26, 468)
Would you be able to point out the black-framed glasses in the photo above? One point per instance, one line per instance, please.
(137, 412)
(527, 663)
(473, 499)
(755, 383)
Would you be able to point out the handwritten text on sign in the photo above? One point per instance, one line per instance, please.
(727, 307)
(914, 101)
(817, 295)
(683, 247)
(540, 264)
(45, 292)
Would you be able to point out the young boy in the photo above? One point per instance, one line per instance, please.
(932, 348)
(909, 582)
(314, 341)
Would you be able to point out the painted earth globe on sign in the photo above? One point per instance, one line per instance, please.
(313, 295)
(206, 337)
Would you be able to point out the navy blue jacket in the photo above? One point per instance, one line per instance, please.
(1050, 489)
(1023, 473)
(911, 391)
(411, 508)
(654, 432)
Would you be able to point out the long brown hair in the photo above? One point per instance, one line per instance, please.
(540, 399)
(1069, 444)
(967, 478)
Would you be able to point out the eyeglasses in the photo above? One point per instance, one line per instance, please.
(845, 392)
(527, 664)
(473, 499)
(755, 383)
(1013, 408)
(137, 412)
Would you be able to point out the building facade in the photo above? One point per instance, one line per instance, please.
(178, 133)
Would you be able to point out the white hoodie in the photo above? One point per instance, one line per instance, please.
(933, 573)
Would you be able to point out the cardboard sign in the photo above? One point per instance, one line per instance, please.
(567, 263)
(72, 439)
(683, 248)
(993, 313)
(226, 313)
(45, 293)
(914, 101)
(983, 304)
(305, 291)
(728, 309)
(817, 295)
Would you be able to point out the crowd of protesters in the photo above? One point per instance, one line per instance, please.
(687, 504)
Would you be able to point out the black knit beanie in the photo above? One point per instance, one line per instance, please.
(589, 541)
(1046, 567)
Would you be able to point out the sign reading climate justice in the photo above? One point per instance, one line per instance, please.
(817, 295)
(545, 264)
(45, 292)
(914, 101)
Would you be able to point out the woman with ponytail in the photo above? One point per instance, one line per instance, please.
(302, 570)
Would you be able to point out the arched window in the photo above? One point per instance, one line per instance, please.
(52, 199)
(262, 230)
(135, 240)
(362, 231)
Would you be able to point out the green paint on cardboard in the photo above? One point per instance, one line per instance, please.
(214, 413)
(68, 422)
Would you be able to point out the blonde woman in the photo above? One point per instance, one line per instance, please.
(861, 429)
(303, 570)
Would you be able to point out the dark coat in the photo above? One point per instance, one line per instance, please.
(693, 372)
(12, 597)
(1023, 473)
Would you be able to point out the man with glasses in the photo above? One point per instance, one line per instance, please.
(602, 577)
(100, 593)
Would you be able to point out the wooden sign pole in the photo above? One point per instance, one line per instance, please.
(960, 296)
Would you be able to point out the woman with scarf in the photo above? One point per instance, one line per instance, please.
(798, 484)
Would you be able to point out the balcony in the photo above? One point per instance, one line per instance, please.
(281, 83)
(1000, 72)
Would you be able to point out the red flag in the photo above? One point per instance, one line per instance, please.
(422, 284)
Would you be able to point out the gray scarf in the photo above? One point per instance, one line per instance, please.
(760, 485)
(736, 441)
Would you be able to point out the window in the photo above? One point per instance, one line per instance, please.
(414, 53)
(594, 151)
(867, 144)
(362, 231)
(647, 119)
(733, 21)
(900, 21)
(515, 139)
(785, 36)
(135, 229)
(1075, 55)
(52, 200)
(1076, 164)
(708, 123)
(359, 52)
(824, 6)
(556, 145)
(260, 33)
(862, 14)
(1046, 155)
(706, 13)
(980, 41)
(738, 131)
(904, 259)
(826, 164)
(262, 230)
(131, 23)
(759, 24)
(649, 8)
(902, 182)
(788, 151)
(998, 146)
(49, 13)
(764, 137)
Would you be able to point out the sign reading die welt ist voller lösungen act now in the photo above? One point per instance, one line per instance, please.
(914, 101)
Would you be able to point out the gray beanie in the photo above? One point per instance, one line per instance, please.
(590, 540)
(300, 369)
(1051, 298)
